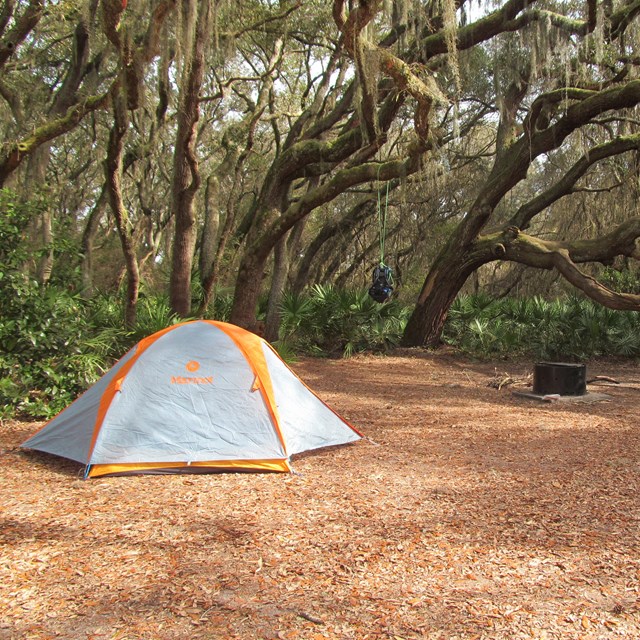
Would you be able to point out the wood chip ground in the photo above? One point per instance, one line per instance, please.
(466, 513)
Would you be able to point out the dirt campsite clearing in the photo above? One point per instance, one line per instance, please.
(467, 512)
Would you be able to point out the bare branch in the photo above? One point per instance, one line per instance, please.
(23, 26)
(260, 24)
(112, 11)
(150, 47)
(565, 185)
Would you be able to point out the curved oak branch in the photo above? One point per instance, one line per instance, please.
(566, 184)
(564, 257)
(591, 287)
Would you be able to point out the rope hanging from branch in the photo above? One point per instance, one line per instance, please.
(382, 286)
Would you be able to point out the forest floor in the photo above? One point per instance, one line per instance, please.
(467, 512)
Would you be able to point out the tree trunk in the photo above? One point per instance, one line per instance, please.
(224, 231)
(210, 229)
(88, 237)
(258, 248)
(113, 170)
(443, 283)
(186, 175)
(278, 279)
(42, 230)
(247, 291)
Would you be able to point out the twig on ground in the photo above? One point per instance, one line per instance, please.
(596, 379)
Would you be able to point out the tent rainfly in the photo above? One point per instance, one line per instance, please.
(199, 396)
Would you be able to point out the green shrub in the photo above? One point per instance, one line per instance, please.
(573, 328)
(328, 321)
(621, 280)
(45, 359)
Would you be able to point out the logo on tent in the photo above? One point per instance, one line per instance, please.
(192, 366)
(191, 380)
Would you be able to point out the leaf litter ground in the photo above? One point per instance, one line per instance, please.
(467, 512)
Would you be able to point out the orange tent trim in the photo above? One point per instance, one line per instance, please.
(97, 470)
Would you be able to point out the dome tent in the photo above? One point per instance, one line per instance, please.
(199, 396)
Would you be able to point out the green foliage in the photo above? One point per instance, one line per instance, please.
(55, 344)
(622, 281)
(286, 351)
(153, 314)
(329, 321)
(220, 308)
(572, 328)
(49, 353)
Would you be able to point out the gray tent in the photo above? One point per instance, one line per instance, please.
(197, 396)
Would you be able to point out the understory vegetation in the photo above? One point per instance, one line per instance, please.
(55, 343)
(572, 328)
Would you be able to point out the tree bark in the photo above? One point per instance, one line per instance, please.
(186, 174)
(210, 228)
(42, 225)
(445, 279)
(113, 170)
(247, 291)
(278, 280)
(88, 238)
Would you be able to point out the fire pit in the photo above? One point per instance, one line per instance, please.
(561, 378)
(560, 382)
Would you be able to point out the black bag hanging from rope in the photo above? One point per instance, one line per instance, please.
(382, 286)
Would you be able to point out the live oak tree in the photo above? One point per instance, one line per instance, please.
(250, 139)
(564, 73)
(151, 79)
(87, 59)
(587, 84)
(331, 146)
(125, 96)
(560, 72)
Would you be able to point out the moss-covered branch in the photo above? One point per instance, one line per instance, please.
(511, 17)
(545, 105)
(567, 182)
(565, 256)
(623, 17)
(591, 287)
(17, 151)
(423, 89)
(512, 166)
